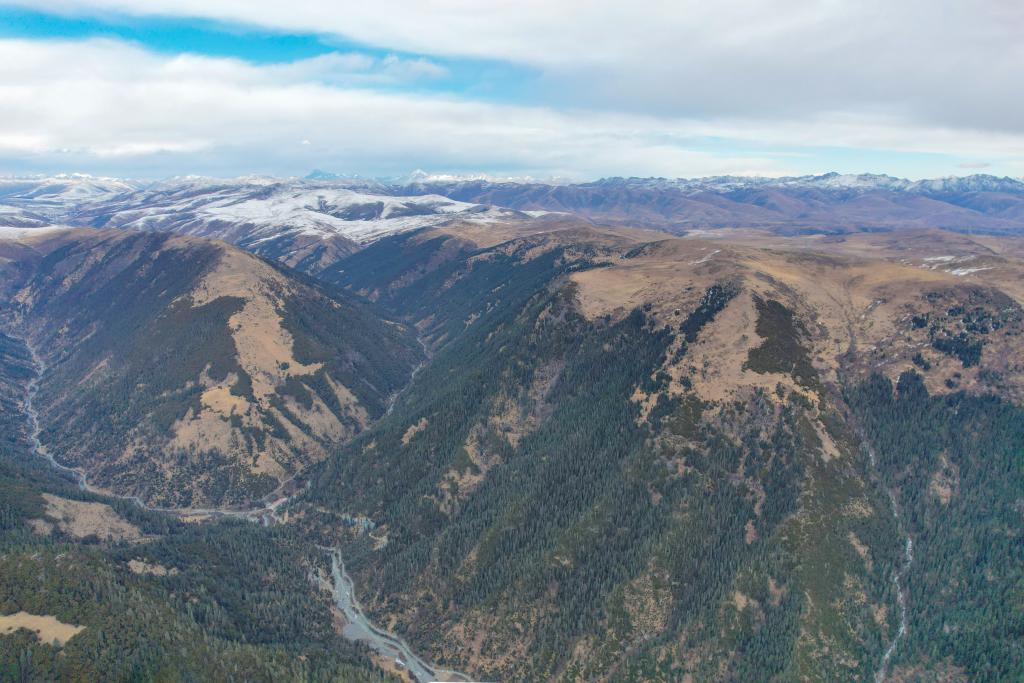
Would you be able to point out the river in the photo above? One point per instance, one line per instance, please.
(264, 514)
(359, 628)
(898, 577)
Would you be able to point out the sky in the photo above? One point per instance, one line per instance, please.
(566, 89)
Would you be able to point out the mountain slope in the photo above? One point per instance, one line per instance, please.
(954, 463)
(54, 196)
(96, 588)
(630, 457)
(738, 455)
(313, 223)
(831, 202)
(191, 373)
(551, 495)
(303, 224)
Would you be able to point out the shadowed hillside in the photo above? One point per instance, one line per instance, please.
(630, 458)
(188, 372)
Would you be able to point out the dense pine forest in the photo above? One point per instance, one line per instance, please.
(529, 341)
(172, 601)
(144, 326)
(956, 465)
(519, 496)
(676, 489)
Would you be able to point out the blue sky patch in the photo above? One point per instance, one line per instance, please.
(480, 79)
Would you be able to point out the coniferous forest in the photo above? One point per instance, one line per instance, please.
(681, 485)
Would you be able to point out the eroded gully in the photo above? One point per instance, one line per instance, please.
(898, 578)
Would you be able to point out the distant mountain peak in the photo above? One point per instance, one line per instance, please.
(319, 174)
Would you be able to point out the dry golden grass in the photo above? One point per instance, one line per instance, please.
(140, 567)
(648, 602)
(749, 532)
(265, 351)
(413, 430)
(47, 629)
(81, 519)
(264, 346)
(567, 229)
(854, 293)
(666, 274)
(862, 550)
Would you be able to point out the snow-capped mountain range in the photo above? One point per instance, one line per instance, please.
(863, 182)
(300, 207)
(303, 222)
(314, 221)
(43, 194)
(831, 202)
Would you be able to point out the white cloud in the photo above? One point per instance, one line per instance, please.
(954, 64)
(113, 107)
(349, 69)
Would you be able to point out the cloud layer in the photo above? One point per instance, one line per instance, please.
(647, 87)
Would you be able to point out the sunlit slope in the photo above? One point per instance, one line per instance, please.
(189, 372)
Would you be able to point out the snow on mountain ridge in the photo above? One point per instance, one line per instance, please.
(351, 211)
(254, 211)
(79, 186)
(354, 215)
(831, 181)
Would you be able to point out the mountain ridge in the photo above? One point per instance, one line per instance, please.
(313, 223)
(17, 184)
(630, 459)
(189, 372)
(627, 455)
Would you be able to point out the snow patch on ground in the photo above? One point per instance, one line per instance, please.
(255, 213)
(11, 233)
(960, 272)
(705, 259)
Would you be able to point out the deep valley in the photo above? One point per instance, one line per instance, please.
(500, 445)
